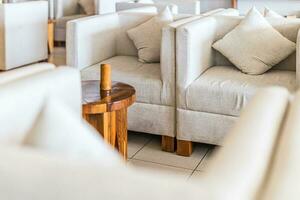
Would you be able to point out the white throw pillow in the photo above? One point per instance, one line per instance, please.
(270, 13)
(147, 36)
(88, 6)
(254, 46)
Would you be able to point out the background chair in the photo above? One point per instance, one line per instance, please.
(66, 10)
(103, 39)
(23, 36)
(210, 91)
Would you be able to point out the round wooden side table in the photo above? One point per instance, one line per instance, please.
(108, 112)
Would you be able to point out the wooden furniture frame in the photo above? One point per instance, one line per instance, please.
(51, 36)
(234, 3)
(105, 108)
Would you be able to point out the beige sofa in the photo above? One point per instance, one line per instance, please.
(103, 39)
(63, 158)
(210, 91)
(66, 10)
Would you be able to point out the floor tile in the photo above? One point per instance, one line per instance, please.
(136, 141)
(152, 152)
(196, 176)
(157, 169)
(203, 164)
(58, 57)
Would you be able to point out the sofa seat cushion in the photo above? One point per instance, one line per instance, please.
(62, 22)
(145, 78)
(226, 90)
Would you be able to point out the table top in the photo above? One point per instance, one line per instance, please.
(121, 96)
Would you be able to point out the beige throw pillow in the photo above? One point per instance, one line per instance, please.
(270, 13)
(147, 36)
(88, 6)
(254, 46)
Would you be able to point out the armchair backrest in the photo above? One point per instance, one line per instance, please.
(23, 36)
(287, 27)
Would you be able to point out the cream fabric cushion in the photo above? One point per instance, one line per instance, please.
(147, 36)
(226, 90)
(254, 46)
(270, 13)
(88, 6)
(144, 77)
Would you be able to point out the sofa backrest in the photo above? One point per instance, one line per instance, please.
(287, 27)
(67, 7)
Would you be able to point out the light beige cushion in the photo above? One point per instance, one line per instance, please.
(254, 46)
(271, 13)
(144, 77)
(226, 90)
(147, 36)
(88, 6)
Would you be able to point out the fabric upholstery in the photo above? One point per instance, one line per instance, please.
(21, 72)
(66, 10)
(226, 90)
(88, 6)
(53, 83)
(284, 173)
(203, 127)
(254, 46)
(199, 66)
(23, 36)
(271, 13)
(145, 78)
(147, 36)
(241, 175)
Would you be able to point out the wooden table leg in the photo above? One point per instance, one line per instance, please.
(50, 37)
(121, 127)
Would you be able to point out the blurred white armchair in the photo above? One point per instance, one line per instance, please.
(66, 10)
(23, 35)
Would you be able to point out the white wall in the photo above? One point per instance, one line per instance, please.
(284, 7)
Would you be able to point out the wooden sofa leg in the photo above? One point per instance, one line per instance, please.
(184, 148)
(168, 144)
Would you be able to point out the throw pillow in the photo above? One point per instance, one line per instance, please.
(147, 36)
(270, 13)
(254, 46)
(88, 6)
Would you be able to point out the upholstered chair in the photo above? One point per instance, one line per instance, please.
(66, 10)
(23, 36)
(210, 91)
(63, 158)
(103, 39)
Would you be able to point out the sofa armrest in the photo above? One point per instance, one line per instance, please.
(194, 51)
(91, 40)
(244, 159)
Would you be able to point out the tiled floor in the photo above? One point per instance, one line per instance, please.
(144, 150)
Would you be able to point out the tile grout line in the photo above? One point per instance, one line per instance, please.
(207, 151)
(141, 148)
(162, 164)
